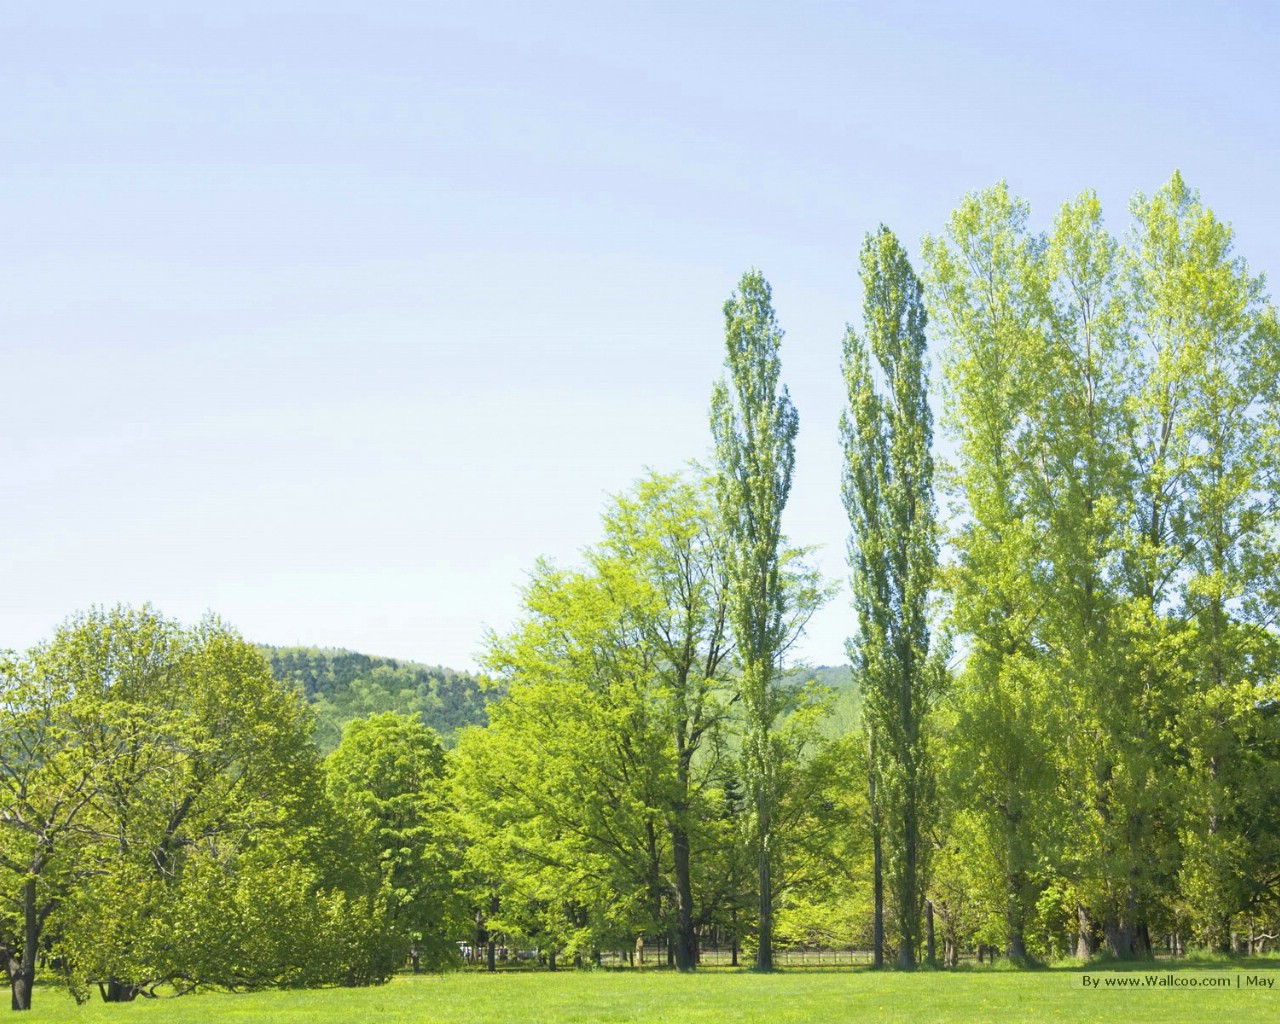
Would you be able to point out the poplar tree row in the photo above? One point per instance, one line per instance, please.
(1111, 736)
(1068, 736)
(1063, 737)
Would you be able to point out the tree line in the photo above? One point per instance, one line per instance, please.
(1068, 741)
(168, 823)
(1063, 638)
(344, 685)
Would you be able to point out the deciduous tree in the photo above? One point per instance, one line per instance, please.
(888, 495)
(754, 427)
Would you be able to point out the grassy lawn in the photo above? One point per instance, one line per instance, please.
(653, 996)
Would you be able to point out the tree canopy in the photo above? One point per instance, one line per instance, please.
(1058, 733)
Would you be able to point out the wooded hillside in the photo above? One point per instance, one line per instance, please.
(343, 685)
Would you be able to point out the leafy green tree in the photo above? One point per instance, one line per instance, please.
(821, 884)
(209, 757)
(988, 296)
(966, 881)
(591, 792)
(1082, 421)
(888, 494)
(1115, 412)
(387, 782)
(183, 824)
(561, 790)
(1204, 552)
(665, 530)
(754, 427)
(49, 782)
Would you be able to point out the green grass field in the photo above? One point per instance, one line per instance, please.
(657, 996)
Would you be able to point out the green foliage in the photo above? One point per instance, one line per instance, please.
(388, 785)
(1114, 408)
(1208, 516)
(592, 796)
(754, 427)
(1106, 757)
(344, 685)
(824, 881)
(844, 698)
(164, 817)
(888, 495)
(988, 296)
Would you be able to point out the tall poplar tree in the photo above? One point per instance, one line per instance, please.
(1083, 494)
(988, 295)
(754, 427)
(888, 494)
(1206, 553)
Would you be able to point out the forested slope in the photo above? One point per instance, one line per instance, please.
(342, 685)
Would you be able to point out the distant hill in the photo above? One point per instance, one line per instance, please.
(342, 685)
(846, 706)
(837, 677)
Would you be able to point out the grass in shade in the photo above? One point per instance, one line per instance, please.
(984, 994)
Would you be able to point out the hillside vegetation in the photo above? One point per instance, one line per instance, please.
(343, 685)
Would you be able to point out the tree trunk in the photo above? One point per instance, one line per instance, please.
(930, 950)
(1222, 942)
(1015, 942)
(1120, 937)
(684, 940)
(494, 906)
(1142, 940)
(950, 954)
(1017, 950)
(1085, 945)
(20, 979)
(908, 899)
(764, 948)
(117, 991)
(877, 879)
(22, 967)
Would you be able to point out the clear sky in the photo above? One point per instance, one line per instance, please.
(332, 317)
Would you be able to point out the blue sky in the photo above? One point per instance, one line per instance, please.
(331, 318)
